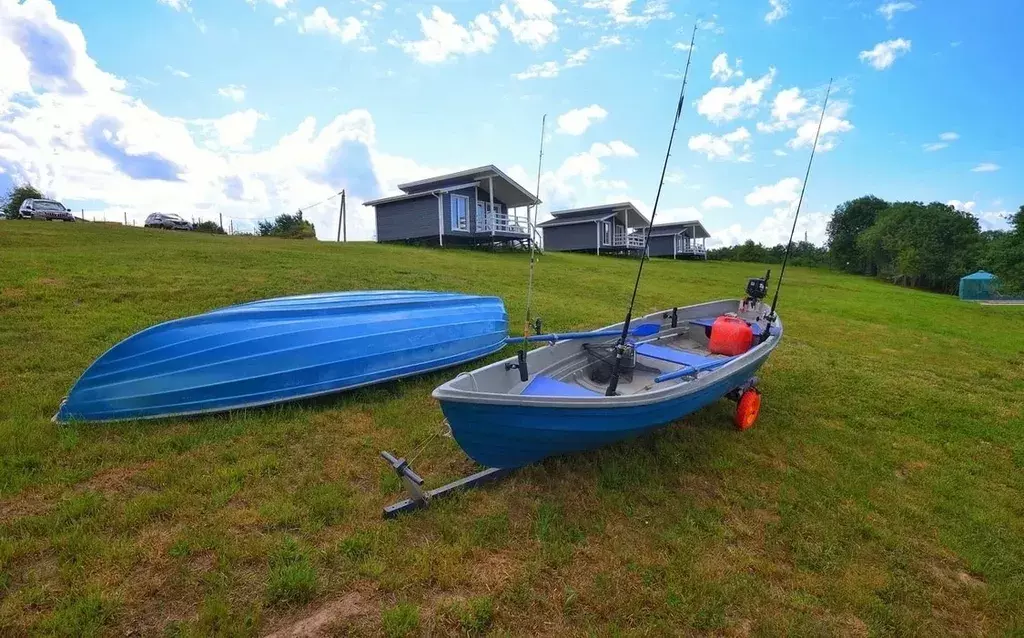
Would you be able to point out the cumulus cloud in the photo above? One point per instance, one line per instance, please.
(949, 136)
(885, 53)
(233, 92)
(119, 154)
(577, 121)
(721, 71)
(779, 9)
(890, 9)
(731, 146)
(321, 21)
(531, 22)
(724, 103)
(444, 37)
(715, 201)
(985, 167)
(792, 111)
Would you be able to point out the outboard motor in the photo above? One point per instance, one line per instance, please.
(757, 290)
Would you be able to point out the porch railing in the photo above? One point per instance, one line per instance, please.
(628, 240)
(691, 249)
(503, 223)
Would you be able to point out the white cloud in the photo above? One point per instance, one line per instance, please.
(178, 72)
(321, 21)
(578, 179)
(177, 5)
(959, 205)
(724, 103)
(122, 156)
(778, 11)
(885, 53)
(721, 71)
(233, 92)
(531, 22)
(785, 191)
(779, 152)
(788, 103)
(444, 37)
(949, 136)
(723, 147)
(579, 57)
(934, 146)
(716, 202)
(832, 124)
(620, 11)
(985, 167)
(889, 9)
(792, 111)
(577, 121)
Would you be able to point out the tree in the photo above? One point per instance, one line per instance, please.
(1003, 254)
(13, 199)
(208, 227)
(288, 226)
(849, 220)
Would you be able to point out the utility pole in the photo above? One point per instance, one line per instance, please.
(125, 218)
(342, 231)
(221, 221)
(231, 226)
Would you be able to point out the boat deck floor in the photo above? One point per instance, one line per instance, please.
(664, 355)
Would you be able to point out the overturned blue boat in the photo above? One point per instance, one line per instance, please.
(284, 349)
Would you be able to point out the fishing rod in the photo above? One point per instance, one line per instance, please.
(524, 373)
(789, 246)
(620, 347)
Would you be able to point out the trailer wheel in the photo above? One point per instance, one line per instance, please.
(748, 409)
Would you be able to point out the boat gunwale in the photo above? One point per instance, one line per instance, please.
(758, 354)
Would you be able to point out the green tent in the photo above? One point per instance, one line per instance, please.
(980, 285)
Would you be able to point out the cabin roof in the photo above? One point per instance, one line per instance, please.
(625, 211)
(506, 189)
(699, 232)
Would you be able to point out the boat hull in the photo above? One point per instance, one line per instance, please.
(510, 436)
(284, 349)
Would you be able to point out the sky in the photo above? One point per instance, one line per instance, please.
(246, 109)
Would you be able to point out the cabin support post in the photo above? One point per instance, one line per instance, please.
(597, 225)
(440, 218)
(490, 193)
(418, 498)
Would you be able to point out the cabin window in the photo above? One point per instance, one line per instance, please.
(606, 232)
(460, 212)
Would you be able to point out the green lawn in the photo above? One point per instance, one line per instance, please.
(882, 491)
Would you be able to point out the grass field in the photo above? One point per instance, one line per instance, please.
(882, 491)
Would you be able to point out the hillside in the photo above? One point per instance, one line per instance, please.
(879, 493)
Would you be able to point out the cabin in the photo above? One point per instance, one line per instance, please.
(605, 229)
(478, 206)
(678, 240)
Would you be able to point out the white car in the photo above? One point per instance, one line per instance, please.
(169, 221)
(46, 209)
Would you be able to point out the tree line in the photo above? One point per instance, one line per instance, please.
(929, 246)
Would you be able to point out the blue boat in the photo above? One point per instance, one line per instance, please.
(503, 422)
(284, 349)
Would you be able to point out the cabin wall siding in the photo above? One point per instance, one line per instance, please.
(407, 219)
(662, 246)
(581, 236)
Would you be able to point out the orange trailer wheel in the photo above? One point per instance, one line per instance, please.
(749, 406)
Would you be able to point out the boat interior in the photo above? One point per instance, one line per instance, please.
(678, 353)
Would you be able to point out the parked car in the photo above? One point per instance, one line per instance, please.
(170, 221)
(46, 209)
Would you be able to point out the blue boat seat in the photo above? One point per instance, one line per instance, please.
(548, 387)
(672, 355)
(707, 322)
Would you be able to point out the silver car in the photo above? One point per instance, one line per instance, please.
(170, 221)
(46, 209)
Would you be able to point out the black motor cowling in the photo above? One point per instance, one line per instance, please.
(757, 287)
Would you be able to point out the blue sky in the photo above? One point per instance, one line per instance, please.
(248, 108)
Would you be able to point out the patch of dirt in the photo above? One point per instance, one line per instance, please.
(328, 617)
(13, 293)
(955, 578)
(911, 467)
(113, 479)
(33, 503)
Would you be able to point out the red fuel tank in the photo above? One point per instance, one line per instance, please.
(730, 336)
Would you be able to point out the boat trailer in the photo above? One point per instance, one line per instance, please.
(418, 498)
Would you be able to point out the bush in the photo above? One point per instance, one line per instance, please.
(209, 227)
(13, 198)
